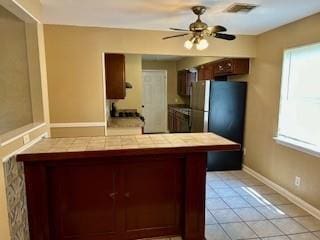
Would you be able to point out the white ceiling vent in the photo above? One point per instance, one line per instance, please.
(240, 8)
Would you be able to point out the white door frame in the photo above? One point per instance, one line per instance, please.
(165, 92)
(104, 94)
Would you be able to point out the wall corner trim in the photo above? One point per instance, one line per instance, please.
(26, 146)
(20, 135)
(284, 192)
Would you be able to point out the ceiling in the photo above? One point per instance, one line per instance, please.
(160, 58)
(162, 14)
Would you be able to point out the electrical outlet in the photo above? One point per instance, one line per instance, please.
(26, 139)
(244, 151)
(297, 181)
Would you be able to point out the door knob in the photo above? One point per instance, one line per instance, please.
(127, 195)
(113, 195)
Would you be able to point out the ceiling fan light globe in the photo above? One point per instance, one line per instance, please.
(188, 44)
(203, 44)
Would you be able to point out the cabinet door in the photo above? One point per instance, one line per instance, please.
(184, 124)
(83, 202)
(115, 76)
(191, 77)
(205, 72)
(233, 66)
(152, 194)
(224, 67)
(200, 73)
(208, 73)
(181, 84)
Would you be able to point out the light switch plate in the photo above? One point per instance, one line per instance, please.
(297, 181)
(26, 139)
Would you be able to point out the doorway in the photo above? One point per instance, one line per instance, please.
(154, 101)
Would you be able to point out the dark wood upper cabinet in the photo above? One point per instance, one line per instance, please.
(115, 76)
(232, 66)
(206, 72)
(185, 79)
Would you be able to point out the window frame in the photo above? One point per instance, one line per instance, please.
(285, 140)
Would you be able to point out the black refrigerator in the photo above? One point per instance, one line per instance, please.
(226, 118)
(219, 107)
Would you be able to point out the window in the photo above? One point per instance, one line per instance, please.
(299, 116)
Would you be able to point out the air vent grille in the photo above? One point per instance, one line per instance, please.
(241, 7)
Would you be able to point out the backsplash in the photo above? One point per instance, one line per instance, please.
(16, 199)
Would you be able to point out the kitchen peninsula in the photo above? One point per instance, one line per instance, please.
(119, 187)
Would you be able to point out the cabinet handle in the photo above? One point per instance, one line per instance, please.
(127, 195)
(113, 195)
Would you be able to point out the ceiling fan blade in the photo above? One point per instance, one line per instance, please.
(179, 35)
(217, 28)
(224, 36)
(179, 29)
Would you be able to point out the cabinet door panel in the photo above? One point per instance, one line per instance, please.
(191, 77)
(181, 82)
(205, 72)
(115, 76)
(152, 193)
(83, 201)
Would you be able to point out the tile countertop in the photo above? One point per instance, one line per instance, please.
(185, 111)
(126, 145)
(124, 122)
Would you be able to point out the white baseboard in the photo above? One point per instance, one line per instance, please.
(284, 192)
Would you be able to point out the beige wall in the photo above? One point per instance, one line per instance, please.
(34, 71)
(170, 66)
(32, 6)
(278, 163)
(15, 99)
(77, 132)
(133, 98)
(74, 63)
(191, 62)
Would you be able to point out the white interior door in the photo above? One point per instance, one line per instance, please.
(155, 100)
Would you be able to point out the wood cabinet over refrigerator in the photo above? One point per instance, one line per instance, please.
(232, 66)
(115, 76)
(206, 72)
(223, 68)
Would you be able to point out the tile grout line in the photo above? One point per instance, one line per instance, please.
(253, 207)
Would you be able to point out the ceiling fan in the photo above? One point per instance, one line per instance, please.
(200, 30)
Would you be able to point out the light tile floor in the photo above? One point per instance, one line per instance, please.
(239, 206)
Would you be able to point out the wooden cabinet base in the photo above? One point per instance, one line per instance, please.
(117, 197)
